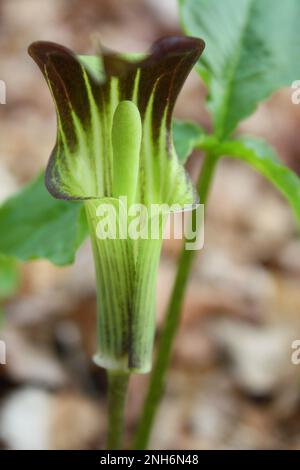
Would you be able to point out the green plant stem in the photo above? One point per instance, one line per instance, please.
(171, 323)
(117, 393)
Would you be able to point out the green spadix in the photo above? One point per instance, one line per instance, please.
(126, 143)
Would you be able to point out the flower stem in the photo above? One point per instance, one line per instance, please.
(171, 324)
(117, 393)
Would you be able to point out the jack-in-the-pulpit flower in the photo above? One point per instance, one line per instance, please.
(114, 149)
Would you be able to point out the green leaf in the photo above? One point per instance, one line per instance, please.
(252, 49)
(35, 225)
(262, 157)
(9, 276)
(253, 151)
(186, 135)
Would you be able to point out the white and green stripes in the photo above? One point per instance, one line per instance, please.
(126, 273)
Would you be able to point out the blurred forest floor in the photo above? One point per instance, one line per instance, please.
(231, 384)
